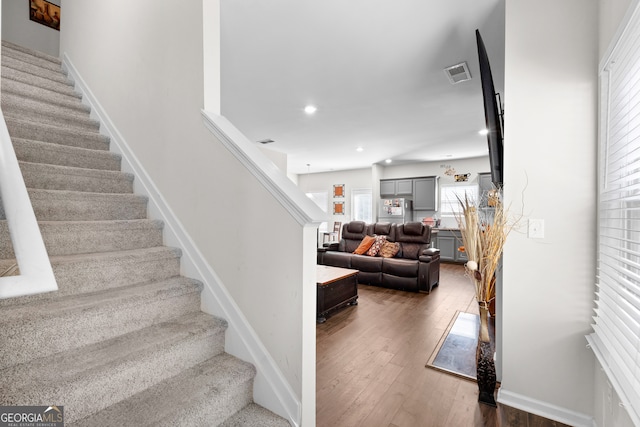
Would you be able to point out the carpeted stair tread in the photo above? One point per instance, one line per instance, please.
(38, 82)
(62, 155)
(51, 133)
(63, 205)
(95, 376)
(49, 64)
(80, 237)
(29, 109)
(83, 273)
(53, 177)
(89, 318)
(205, 395)
(44, 95)
(34, 53)
(19, 64)
(254, 415)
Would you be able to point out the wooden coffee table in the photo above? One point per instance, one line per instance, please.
(337, 287)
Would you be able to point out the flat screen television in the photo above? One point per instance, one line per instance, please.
(492, 116)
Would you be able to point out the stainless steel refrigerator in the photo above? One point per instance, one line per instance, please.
(398, 210)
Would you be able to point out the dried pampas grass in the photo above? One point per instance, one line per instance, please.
(484, 233)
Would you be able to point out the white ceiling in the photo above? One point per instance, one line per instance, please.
(373, 68)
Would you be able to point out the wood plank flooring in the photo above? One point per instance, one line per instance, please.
(371, 363)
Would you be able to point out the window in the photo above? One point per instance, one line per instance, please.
(362, 203)
(450, 196)
(616, 332)
(320, 198)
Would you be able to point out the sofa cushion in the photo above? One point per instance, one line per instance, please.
(413, 228)
(389, 249)
(413, 232)
(375, 247)
(400, 267)
(411, 250)
(366, 263)
(337, 259)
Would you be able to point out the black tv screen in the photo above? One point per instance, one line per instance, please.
(491, 115)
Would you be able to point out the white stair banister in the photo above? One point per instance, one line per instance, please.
(36, 275)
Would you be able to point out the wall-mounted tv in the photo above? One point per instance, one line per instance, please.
(492, 115)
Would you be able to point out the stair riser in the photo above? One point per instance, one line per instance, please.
(38, 82)
(205, 412)
(46, 96)
(19, 65)
(53, 154)
(90, 139)
(50, 178)
(90, 241)
(24, 340)
(47, 114)
(87, 206)
(69, 239)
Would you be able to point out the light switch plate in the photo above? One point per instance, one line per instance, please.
(536, 229)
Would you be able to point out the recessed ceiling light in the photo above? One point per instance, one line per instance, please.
(388, 161)
(359, 149)
(484, 132)
(310, 109)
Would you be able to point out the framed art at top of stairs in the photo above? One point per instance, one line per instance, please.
(45, 13)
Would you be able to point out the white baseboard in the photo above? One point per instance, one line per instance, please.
(271, 389)
(544, 409)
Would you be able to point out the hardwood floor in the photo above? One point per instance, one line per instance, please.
(371, 360)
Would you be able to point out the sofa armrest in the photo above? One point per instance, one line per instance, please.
(429, 255)
(332, 246)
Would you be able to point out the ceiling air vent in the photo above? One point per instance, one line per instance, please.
(266, 141)
(458, 73)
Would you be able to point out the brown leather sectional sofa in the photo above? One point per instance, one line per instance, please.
(416, 266)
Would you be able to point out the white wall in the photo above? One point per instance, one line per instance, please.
(550, 162)
(19, 29)
(148, 77)
(352, 179)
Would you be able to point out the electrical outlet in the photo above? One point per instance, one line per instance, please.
(536, 229)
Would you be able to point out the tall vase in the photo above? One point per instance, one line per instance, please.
(485, 366)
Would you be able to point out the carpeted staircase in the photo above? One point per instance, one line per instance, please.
(123, 342)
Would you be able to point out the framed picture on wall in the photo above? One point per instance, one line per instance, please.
(45, 13)
(338, 190)
(338, 208)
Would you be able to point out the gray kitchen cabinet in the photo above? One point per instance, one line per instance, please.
(404, 187)
(396, 187)
(425, 191)
(448, 241)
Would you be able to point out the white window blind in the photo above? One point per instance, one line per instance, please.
(616, 336)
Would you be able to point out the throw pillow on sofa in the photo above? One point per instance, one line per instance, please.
(364, 245)
(375, 247)
(389, 249)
